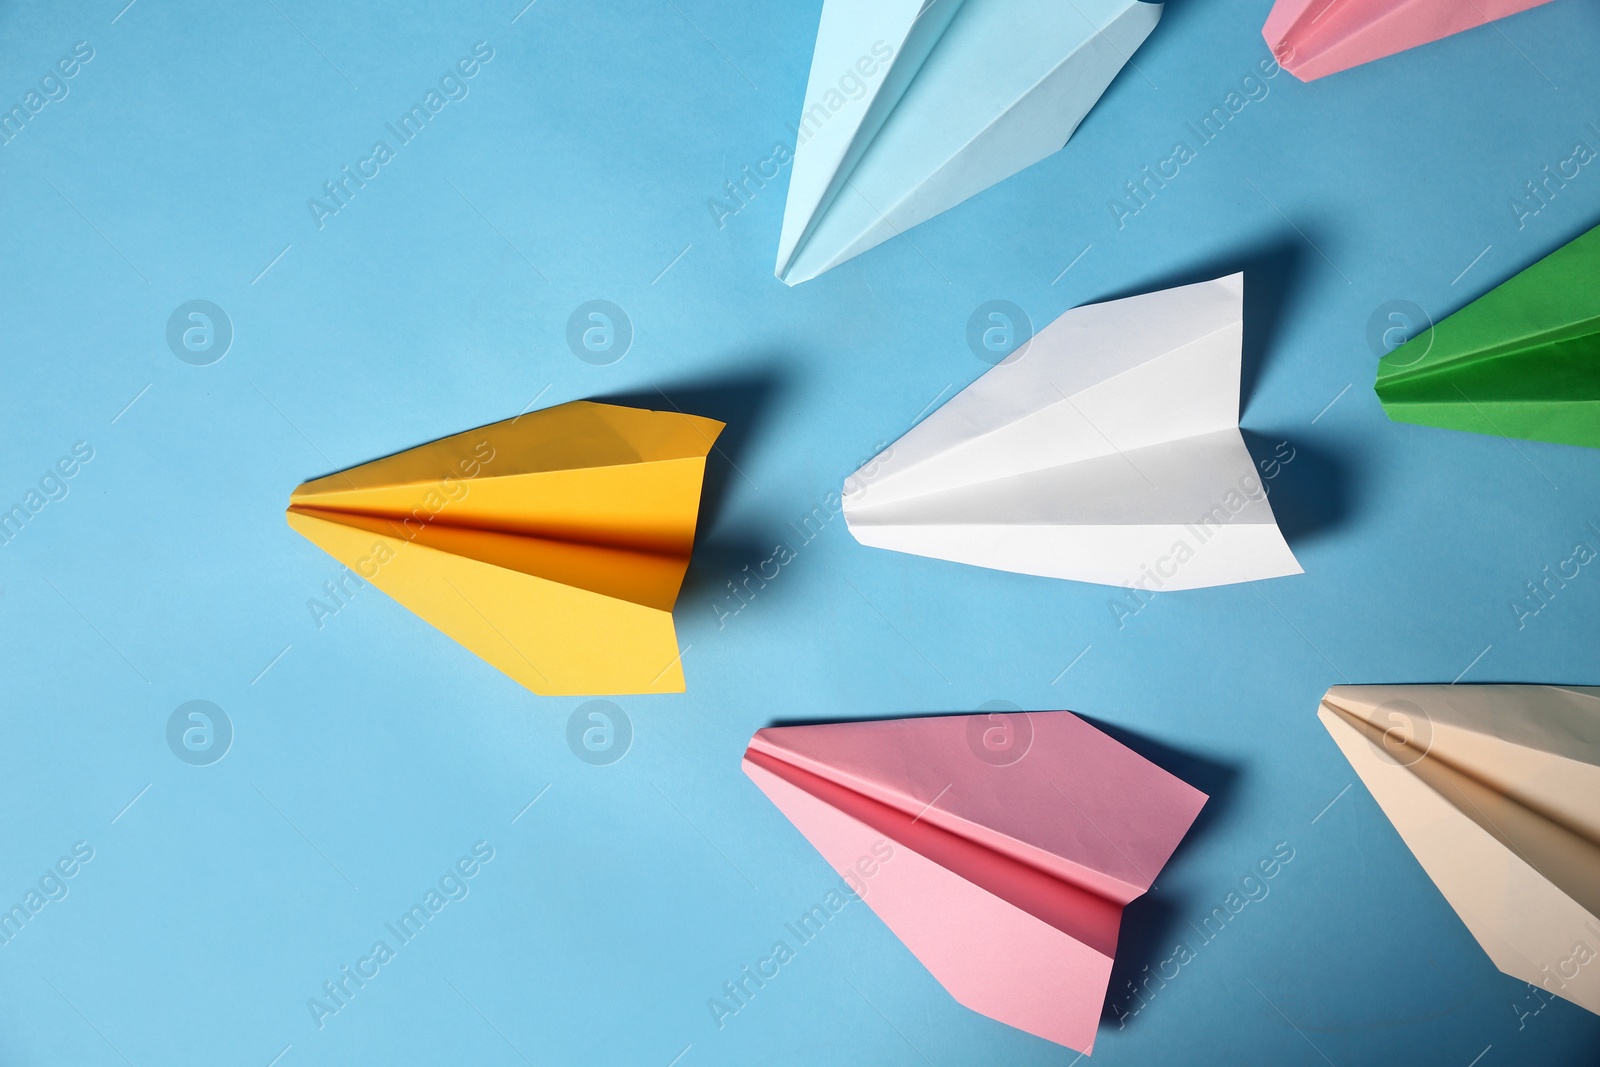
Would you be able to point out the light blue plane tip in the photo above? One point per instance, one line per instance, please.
(915, 105)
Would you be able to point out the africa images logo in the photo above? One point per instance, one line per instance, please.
(199, 733)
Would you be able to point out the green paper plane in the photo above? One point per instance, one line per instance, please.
(1521, 361)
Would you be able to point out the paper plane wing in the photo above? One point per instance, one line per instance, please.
(1496, 790)
(1006, 880)
(1313, 38)
(1107, 450)
(1523, 360)
(914, 105)
(552, 545)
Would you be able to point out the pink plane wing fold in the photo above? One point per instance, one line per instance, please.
(1009, 888)
(1078, 805)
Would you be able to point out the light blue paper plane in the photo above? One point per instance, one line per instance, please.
(915, 105)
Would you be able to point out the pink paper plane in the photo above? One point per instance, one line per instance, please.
(1313, 38)
(1016, 841)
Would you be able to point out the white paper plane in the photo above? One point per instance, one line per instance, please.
(914, 105)
(1496, 790)
(1106, 450)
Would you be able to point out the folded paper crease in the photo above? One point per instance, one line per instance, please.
(1522, 361)
(553, 545)
(912, 106)
(1106, 450)
(1496, 790)
(1008, 879)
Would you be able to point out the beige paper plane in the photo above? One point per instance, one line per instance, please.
(1496, 791)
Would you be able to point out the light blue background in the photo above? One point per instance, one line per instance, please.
(375, 751)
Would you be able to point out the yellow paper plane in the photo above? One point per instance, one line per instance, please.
(552, 545)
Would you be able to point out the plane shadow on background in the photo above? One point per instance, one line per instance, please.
(1177, 14)
(1310, 487)
(740, 401)
(1154, 923)
(1274, 272)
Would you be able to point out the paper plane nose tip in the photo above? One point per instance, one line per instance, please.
(790, 276)
(784, 267)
